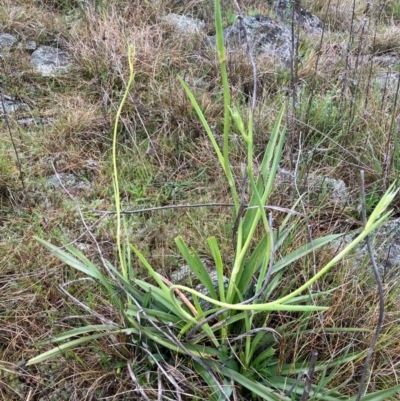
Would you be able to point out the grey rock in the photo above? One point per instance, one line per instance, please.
(29, 122)
(315, 186)
(49, 60)
(285, 9)
(182, 275)
(30, 45)
(265, 35)
(268, 36)
(7, 41)
(10, 105)
(185, 275)
(336, 189)
(69, 181)
(388, 60)
(388, 83)
(386, 249)
(184, 24)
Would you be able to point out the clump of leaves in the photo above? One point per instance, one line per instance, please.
(228, 343)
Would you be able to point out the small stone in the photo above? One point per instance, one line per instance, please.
(335, 190)
(69, 181)
(11, 105)
(286, 9)
(185, 25)
(29, 122)
(388, 83)
(7, 41)
(385, 247)
(265, 36)
(30, 45)
(49, 60)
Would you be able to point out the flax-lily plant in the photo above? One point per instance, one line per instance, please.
(229, 345)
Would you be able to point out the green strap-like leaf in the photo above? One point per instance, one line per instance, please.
(197, 266)
(60, 349)
(266, 393)
(382, 395)
(303, 251)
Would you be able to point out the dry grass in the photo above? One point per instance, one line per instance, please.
(165, 158)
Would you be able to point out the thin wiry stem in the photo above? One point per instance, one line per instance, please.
(255, 331)
(319, 52)
(78, 208)
(373, 46)
(309, 376)
(235, 397)
(294, 54)
(250, 54)
(176, 341)
(19, 166)
(136, 381)
(160, 387)
(294, 385)
(197, 205)
(389, 155)
(242, 208)
(29, 396)
(361, 388)
(161, 369)
(348, 49)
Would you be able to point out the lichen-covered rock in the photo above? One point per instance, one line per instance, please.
(183, 24)
(69, 181)
(31, 122)
(49, 60)
(387, 82)
(385, 245)
(268, 36)
(11, 105)
(286, 9)
(7, 41)
(30, 45)
(316, 186)
(265, 35)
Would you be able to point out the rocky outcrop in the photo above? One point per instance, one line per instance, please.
(46, 59)
(265, 34)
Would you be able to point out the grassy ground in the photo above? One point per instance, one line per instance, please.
(343, 122)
